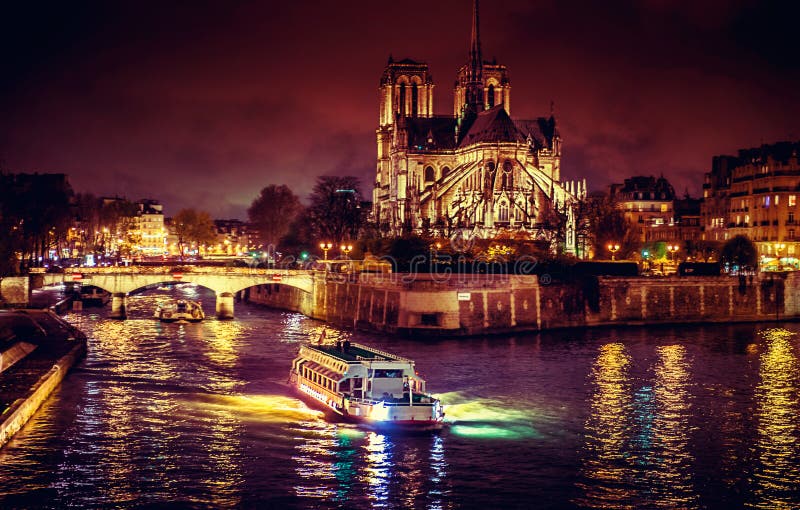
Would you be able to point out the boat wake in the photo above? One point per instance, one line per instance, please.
(485, 418)
(261, 408)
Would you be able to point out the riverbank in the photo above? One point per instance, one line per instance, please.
(40, 349)
(466, 305)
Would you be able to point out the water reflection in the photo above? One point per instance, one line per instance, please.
(669, 468)
(486, 419)
(775, 477)
(378, 469)
(607, 464)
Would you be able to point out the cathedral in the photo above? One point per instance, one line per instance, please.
(480, 172)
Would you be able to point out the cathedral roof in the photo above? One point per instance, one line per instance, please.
(431, 133)
(541, 131)
(492, 125)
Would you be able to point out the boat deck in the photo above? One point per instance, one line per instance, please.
(355, 352)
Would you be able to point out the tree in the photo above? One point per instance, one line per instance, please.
(335, 211)
(193, 226)
(610, 226)
(273, 212)
(739, 251)
(35, 214)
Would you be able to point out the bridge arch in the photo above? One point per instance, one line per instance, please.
(224, 282)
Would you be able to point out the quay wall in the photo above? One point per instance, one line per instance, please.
(23, 409)
(484, 304)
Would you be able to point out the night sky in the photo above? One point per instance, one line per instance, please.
(204, 103)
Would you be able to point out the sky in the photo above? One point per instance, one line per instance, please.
(202, 104)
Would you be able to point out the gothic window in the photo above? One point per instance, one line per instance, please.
(518, 213)
(491, 96)
(445, 172)
(414, 99)
(503, 215)
(429, 174)
(402, 101)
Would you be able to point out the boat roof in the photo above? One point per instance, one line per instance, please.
(355, 352)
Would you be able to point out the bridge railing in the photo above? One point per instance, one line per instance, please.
(169, 270)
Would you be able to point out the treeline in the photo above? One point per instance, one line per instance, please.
(34, 217)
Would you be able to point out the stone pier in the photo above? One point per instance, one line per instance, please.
(225, 305)
(118, 306)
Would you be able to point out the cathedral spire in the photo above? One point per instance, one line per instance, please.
(475, 72)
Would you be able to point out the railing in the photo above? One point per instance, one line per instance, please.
(379, 352)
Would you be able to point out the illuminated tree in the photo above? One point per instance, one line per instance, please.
(193, 226)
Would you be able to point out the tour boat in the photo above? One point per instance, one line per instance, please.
(365, 385)
(181, 310)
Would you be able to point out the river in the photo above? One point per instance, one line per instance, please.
(198, 415)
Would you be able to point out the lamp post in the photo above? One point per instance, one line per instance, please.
(778, 248)
(673, 248)
(325, 247)
(645, 255)
(346, 249)
(613, 248)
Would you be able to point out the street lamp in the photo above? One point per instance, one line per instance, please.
(325, 247)
(672, 248)
(613, 248)
(346, 248)
(645, 256)
(778, 248)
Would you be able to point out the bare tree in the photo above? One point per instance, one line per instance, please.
(273, 212)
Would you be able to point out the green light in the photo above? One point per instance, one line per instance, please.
(304, 255)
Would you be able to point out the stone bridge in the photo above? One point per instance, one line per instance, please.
(224, 281)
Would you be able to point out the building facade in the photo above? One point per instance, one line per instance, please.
(151, 230)
(755, 194)
(648, 205)
(479, 172)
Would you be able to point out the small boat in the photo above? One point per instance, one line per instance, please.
(365, 385)
(93, 296)
(181, 310)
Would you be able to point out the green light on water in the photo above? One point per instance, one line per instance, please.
(493, 431)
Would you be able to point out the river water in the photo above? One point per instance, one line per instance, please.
(198, 415)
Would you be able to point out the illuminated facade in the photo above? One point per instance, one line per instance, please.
(150, 228)
(648, 205)
(479, 171)
(755, 194)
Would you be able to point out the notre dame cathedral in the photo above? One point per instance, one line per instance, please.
(479, 172)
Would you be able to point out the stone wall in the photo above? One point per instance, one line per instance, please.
(497, 304)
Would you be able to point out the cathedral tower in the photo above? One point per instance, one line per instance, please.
(480, 85)
(406, 90)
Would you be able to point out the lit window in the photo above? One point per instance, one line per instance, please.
(792, 200)
(663, 207)
(766, 201)
(776, 199)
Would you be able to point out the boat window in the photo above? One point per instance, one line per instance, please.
(389, 373)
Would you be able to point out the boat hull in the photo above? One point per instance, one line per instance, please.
(338, 411)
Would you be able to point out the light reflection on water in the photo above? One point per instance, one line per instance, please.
(669, 465)
(776, 480)
(199, 415)
(607, 465)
